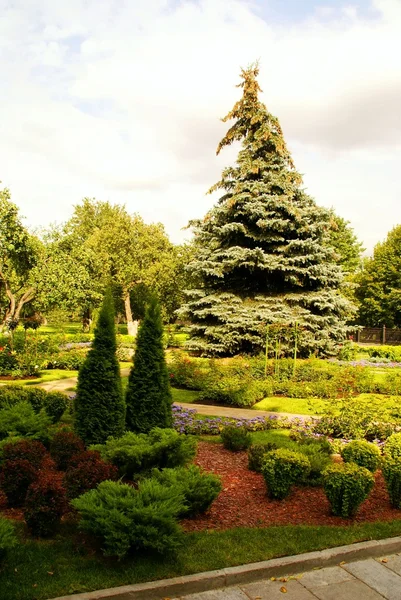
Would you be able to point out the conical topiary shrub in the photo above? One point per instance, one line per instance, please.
(99, 403)
(148, 396)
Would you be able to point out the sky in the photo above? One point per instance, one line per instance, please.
(122, 101)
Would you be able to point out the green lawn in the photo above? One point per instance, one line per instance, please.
(44, 376)
(184, 395)
(47, 569)
(300, 406)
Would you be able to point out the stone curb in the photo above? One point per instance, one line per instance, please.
(211, 580)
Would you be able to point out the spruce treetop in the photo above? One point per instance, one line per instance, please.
(262, 252)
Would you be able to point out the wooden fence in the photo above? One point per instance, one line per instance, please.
(378, 335)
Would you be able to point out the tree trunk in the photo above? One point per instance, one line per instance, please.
(13, 310)
(132, 326)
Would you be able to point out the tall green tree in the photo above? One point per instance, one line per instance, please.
(346, 244)
(148, 397)
(262, 253)
(20, 251)
(99, 403)
(379, 284)
(109, 244)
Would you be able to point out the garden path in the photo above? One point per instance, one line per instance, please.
(65, 385)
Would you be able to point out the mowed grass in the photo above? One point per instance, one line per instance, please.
(37, 570)
(300, 406)
(44, 376)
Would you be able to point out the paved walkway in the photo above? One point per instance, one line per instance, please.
(65, 385)
(370, 579)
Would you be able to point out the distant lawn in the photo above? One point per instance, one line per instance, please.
(299, 406)
(184, 395)
(44, 376)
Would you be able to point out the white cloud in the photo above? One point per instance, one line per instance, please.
(122, 101)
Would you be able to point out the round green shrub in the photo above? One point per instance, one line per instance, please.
(391, 469)
(392, 447)
(256, 454)
(235, 438)
(363, 454)
(346, 487)
(281, 469)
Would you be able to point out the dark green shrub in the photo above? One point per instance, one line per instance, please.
(45, 504)
(148, 396)
(99, 405)
(126, 518)
(346, 487)
(362, 454)
(85, 472)
(8, 539)
(391, 469)
(392, 446)
(63, 446)
(137, 453)
(199, 488)
(16, 477)
(71, 360)
(21, 420)
(235, 438)
(281, 469)
(256, 454)
(55, 405)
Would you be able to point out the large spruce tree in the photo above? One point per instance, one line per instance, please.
(262, 253)
(148, 395)
(99, 403)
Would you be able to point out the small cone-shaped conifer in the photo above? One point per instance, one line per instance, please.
(99, 403)
(262, 253)
(148, 395)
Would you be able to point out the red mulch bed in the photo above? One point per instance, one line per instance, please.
(243, 501)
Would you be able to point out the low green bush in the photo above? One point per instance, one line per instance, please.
(199, 488)
(391, 469)
(8, 539)
(21, 420)
(184, 372)
(126, 518)
(346, 487)
(391, 384)
(70, 360)
(256, 454)
(392, 447)
(363, 454)
(137, 453)
(319, 460)
(54, 403)
(235, 438)
(235, 391)
(281, 469)
(391, 352)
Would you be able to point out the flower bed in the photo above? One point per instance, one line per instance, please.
(243, 501)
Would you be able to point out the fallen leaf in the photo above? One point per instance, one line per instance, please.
(384, 560)
(272, 579)
(283, 579)
(342, 562)
(50, 573)
(283, 589)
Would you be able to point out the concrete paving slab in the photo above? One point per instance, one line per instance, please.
(378, 577)
(274, 590)
(327, 576)
(393, 563)
(347, 590)
(233, 593)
